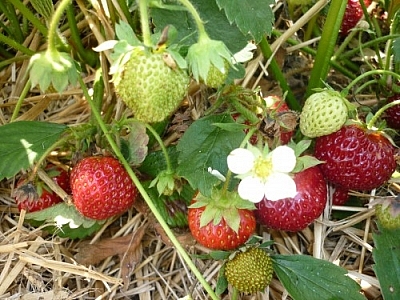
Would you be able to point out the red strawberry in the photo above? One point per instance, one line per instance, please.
(355, 158)
(34, 199)
(340, 195)
(101, 187)
(218, 233)
(295, 214)
(392, 114)
(352, 15)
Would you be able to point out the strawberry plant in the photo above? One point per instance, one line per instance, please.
(160, 110)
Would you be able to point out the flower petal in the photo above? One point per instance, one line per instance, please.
(280, 186)
(240, 161)
(283, 159)
(252, 189)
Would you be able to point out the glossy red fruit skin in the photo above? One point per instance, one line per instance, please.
(101, 187)
(295, 214)
(340, 195)
(352, 15)
(221, 236)
(47, 198)
(392, 114)
(355, 159)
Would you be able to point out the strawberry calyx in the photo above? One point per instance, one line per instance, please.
(208, 57)
(221, 205)
(392, 204)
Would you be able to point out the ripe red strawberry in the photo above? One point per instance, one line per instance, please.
(217, 232)
(101, 187)
(352, 15)
(24, 195)
(392, 114)
(355, 158)
(340, 195)
(295, 214)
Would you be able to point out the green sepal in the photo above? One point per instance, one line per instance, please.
(53, 68)
(205, 54)
(221, 204)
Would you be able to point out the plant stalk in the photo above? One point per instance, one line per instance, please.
(326, 45)
(146, 197)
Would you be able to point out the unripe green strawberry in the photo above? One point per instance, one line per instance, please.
(250, 271)
(389, 216)
(216, 77)
(323, 113)
(149, 86)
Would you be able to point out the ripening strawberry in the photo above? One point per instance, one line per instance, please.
(101, 187)
(249, 271)
(352, 15)
(356, 158)
(323, 112)
(37, 196)
(295, 214)
(150, 86)
(388, 214)
(392, 114)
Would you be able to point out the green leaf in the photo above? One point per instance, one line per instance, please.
(222, 282)
(23, 143)
(155, 163)
(251, 16)
(387, 261)
(204, 145)
(306, 277)
(124, 32)
(65, 221)
(135, 143)
(216, 23)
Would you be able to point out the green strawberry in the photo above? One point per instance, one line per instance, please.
(324, 112)
(250, 271)
(150, 85)
(388, 213)
(216, 77)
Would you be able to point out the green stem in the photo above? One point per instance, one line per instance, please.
(312, 52)
(203, 36)
(369, 44)
(377, 115)
(52, 36)
(162, 146)
(21, 100)
(29, 15)
(146, 197)
(326, 45)
(267, 53)
(13, 60)
(14, 26)
(367, 74)
(144, 22)
(88, 55)
(6, 40)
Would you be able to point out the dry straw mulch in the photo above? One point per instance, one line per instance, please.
(130, 257)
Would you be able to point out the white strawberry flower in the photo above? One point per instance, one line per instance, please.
(264, 174)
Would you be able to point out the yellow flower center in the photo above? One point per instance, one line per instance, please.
(262, 167)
